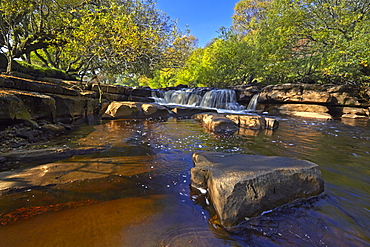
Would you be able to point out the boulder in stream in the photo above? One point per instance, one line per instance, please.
(230, 123)
(134, 110)
(216, 122)
(241, 186)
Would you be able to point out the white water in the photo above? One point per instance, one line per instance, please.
(220, 99)
(253, 103)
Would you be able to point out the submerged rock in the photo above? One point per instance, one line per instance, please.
(241, 186)
(16, 158)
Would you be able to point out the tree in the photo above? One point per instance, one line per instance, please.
(88, 37)
(27, 26)
(307, 40)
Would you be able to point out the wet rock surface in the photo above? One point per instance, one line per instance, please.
(241, 186)
(23, 158)
(27, 133)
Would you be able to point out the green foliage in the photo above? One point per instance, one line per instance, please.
(275, 41)
(39, 71)
(106, 37)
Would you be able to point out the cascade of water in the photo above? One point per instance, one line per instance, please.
(253, 103)
(217, 98)
(221, 99)
(158, 97)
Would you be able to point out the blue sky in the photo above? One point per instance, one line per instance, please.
(204, 17)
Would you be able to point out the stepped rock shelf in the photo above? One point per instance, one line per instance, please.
(241, 186)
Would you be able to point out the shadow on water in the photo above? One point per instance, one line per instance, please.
(137, 192)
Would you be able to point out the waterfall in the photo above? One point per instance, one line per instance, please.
(221, 99)
(200, 97)
(253, 103)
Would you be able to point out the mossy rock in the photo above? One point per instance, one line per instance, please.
(35, 70)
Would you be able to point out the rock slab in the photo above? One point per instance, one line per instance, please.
(241, 186)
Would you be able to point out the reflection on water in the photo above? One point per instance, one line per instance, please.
(137, 193)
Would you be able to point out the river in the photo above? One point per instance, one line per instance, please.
(137, 192)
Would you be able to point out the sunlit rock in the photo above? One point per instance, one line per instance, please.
(271, 123)
(230, 123)
(129, 110)
(248, 121)
(322, 116)
(322, 94)
(122, 110)
(217, 123)
(154, 110)
(353, 112)
(241, 186)
(303, 108)
(295, 93)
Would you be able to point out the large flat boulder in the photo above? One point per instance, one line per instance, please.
(133, 110)
(241, 186)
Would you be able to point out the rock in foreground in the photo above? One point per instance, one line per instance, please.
(242, 186)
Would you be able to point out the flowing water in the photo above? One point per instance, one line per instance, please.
(137, 192)
(224, 99)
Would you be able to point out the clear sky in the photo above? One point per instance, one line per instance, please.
(204, 17)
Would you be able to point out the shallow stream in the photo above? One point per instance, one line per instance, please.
(137, 192)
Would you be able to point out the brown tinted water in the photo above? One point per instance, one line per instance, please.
(137, 192)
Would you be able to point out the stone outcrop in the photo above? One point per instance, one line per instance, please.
(230, 123)
(343, 95)
(129, 110)
(315, 100)
(242, 186)
(305, 110)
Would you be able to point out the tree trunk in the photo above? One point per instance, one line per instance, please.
(9, 56)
